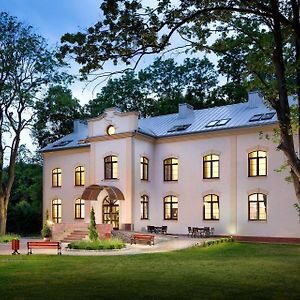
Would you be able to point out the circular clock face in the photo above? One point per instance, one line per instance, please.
(110, 130)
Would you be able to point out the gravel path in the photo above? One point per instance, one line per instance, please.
(163, 243)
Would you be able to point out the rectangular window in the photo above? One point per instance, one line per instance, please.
(144, 168)
(171, 169)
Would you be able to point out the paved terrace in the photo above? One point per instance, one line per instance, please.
(163, 243)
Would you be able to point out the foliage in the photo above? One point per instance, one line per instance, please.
(55, 113)
(26, 68)
(262, 36)
(217, 241)
(9, 237)
(46, 230)
(93, 232)
(25, 206)
(224, 271)
(98, 245)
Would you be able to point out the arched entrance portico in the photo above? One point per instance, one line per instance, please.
(110, 204)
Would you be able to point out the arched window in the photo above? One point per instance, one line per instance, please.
(56, 177)
(257, 163)
(144, 168)
(171, 208)
(111, 167)
(79, 176)
(211, 207)
(211, 166)
(79, 209)
(56, 210)
(257, 207)
(171, 169)
(144, 207)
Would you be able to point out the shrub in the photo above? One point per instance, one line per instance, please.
(218, 241)
(93, 233)
(8, 237)
(98, 245)
(46, 230)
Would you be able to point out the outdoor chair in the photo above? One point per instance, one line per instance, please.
(164, 229)
(190, 232)
(150, 229)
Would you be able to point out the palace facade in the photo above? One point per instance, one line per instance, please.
(211, 167)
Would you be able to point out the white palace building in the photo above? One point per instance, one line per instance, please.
(208, 167)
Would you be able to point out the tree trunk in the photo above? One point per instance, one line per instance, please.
(3, 214)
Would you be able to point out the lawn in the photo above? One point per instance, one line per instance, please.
(223, 271)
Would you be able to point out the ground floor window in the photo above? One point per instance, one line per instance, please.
(257, 207)
(110, 212)
(171, 208)
(144, 207)
(79, 209)
(56, 211)
(211, 207)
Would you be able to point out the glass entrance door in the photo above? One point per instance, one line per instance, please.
(110, 212)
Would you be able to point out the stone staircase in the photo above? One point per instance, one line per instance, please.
(75, 236)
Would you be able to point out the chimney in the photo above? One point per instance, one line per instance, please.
(78, 124)
(185, 110)
(255, 99)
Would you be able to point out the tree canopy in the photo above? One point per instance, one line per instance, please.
(26, 67)
(263, 35)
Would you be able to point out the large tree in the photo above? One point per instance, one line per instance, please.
(267, 32)
(26, 66)
(55, 112)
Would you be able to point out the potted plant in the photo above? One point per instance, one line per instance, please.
(46, 230)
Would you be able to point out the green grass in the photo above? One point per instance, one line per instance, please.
(98, 245)
(222, 271)
(8, 237)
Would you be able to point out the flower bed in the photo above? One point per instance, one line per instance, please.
(98, 245)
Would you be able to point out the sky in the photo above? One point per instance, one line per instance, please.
(53, 18)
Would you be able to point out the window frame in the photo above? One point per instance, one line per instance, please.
(57, 172)
(257, 164)
(211, 162)
(81, 173)
(144, 207)
(257, 202)
(81, 205)
(171, 202)
(144, 168)
(111, 163)
(56, 207)
(211, 202)
(171, 166)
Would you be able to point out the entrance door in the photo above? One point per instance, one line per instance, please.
(110, 212)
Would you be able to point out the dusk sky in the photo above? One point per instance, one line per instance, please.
(52, 18)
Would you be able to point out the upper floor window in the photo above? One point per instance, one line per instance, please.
(79, 209)
(144, 168)
(171, 169)
(144, 207)
(110, 130)
(257, 163)
(56, 177)
(79, 176)
(111, 167)
(211, 166)
(171, 208)
(56, 210)
(257, 207)
(211, 207)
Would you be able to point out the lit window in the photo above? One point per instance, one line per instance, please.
(79, 176)
(171, 169)
(211, 207)
(111, 167)
(144, 168)
(79, 209)
(56, 177)
(56, 211)
(144, 207)
(211, 166)
(257, 207)
(257, 163)
(171, 208)
(110, 130)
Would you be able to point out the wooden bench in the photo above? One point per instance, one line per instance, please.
(148, 238)
(43, 245)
